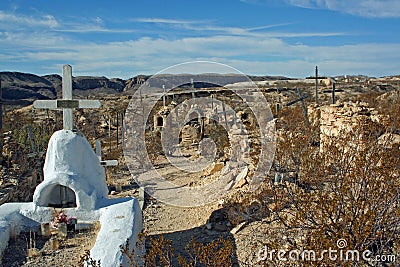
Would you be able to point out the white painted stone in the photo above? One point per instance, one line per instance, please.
(119, 222)
(71, 162)
(120, 219)
(74, 176)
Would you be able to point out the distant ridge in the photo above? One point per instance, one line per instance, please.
(17, 85)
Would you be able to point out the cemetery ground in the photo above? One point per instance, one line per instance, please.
(69, 252)
(338, 194)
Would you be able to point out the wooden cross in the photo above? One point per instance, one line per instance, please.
(35, 152)
(316, 85)
(1, 110)
(301, 98)
(163, 98)
(104, 163)
(333, 91)
(303, 106)
(67, 103)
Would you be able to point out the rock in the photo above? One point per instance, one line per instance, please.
(338, 120)
(272, 206)
(389, 140)
(190, 135)
(219, 227)
(82, 119)
(16, 86)
(241, 178)
(229, 186)
(238, 227)
(214, 168)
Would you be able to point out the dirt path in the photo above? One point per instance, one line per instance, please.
(180, 224)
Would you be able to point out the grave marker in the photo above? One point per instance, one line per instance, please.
(74, 180)
(1, 109)
(224, 111)
(163, 87)
(333, 91)
(104, 163)
(67, 104)
(301, 98)
(303, 106)
(316, 84)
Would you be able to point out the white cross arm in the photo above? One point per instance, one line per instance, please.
(104, 163)
(98, 149)
(61, 103)
(48, 104)
(113, 162)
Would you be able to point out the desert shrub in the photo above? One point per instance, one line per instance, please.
(346, 189)
(347, 192)
(87, 261)
(217, 253)
(161, 252)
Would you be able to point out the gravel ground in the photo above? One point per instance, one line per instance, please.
(68, 254)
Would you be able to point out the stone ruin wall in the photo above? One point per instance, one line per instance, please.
(345, 119)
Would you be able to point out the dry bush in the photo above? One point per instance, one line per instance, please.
(161, 252)
(216, 253)
(347, 192)
(347, 189)
(87, 261)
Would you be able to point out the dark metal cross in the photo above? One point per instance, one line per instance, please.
(303, 106)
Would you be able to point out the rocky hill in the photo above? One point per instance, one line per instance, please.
(17, 86)
(88, 85)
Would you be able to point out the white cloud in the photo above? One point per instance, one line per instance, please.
(87, 28)
(248, 54)
(21, 22)
(251, 50)
(204, 27)
(364, 8)
(166, 21)
(8, 20)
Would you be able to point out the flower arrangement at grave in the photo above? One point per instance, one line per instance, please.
(61, 217)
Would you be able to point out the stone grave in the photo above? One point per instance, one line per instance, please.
(75, 181)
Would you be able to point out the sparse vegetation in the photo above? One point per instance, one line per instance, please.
(347, 190)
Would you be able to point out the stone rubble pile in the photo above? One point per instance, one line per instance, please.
(346, 118)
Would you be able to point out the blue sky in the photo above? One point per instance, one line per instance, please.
(260, 37)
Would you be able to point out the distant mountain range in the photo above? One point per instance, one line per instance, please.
(17, 86)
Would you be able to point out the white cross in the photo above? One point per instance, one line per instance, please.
(67, 103)
(104, 163)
